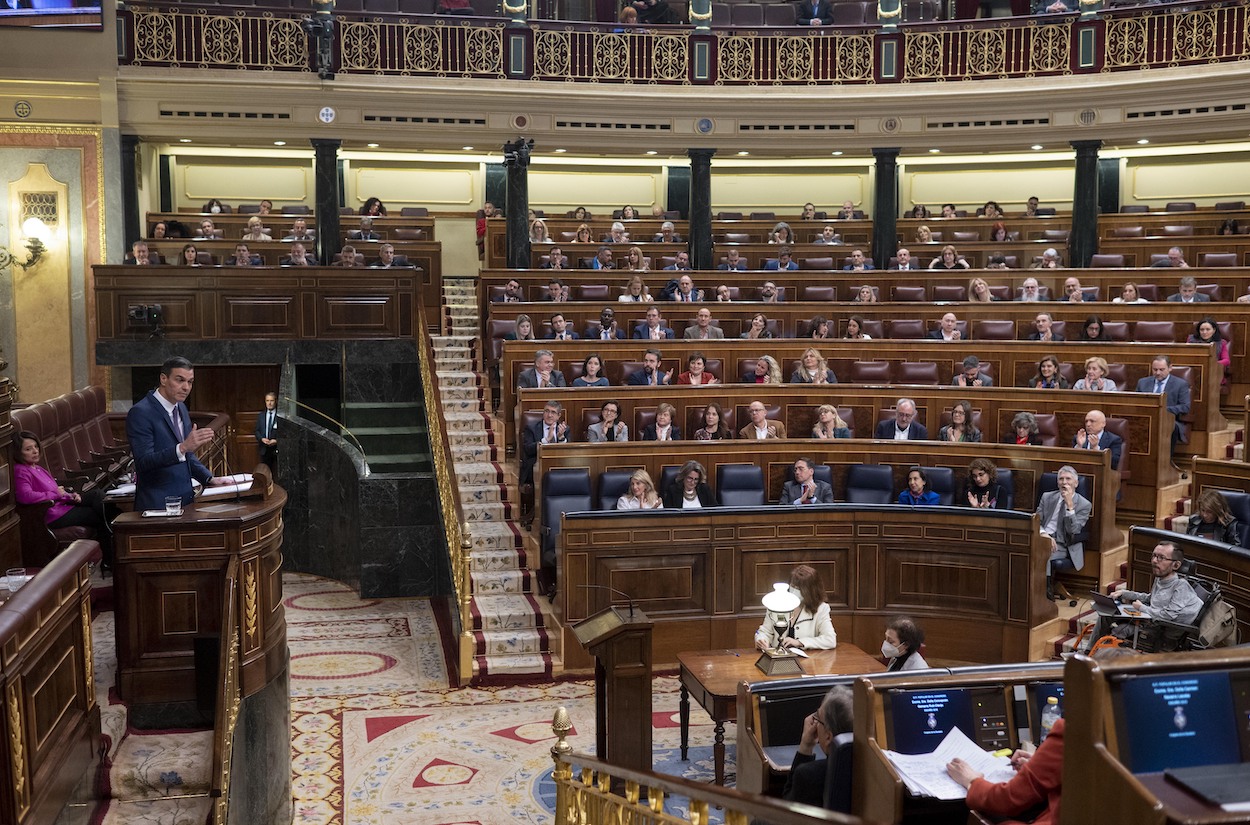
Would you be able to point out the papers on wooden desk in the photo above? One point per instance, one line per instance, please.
(240, 483)
(925, 774)
(121, 490)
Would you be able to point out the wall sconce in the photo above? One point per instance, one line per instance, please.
(36, 235)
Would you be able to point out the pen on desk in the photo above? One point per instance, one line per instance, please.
(732, 652)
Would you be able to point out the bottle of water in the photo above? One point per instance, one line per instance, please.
(1050, 715)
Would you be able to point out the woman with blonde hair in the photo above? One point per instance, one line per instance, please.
(634, 260)
(813, 369)
(1212, 519)
(524, 330)
(1095, 376)
(641, 494)
(538, 231)
(979, 292)
(767, 371)
(829, 424)
(255, 230)
(636, 290)
(923, 234)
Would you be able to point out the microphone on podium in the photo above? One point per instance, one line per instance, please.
(622, 593)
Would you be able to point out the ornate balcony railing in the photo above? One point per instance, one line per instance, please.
(186, 36)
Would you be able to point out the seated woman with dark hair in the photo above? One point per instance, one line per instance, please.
(714, 426)
(1048, 377)
(32, 484)
(818, 327)
(1024, 430)
(758, 327)
(960, 428)
(855, 329)
(901, 648)
(1093, 330)
(374, 208)
(592, 373)
(1207, 331)
(981, 489)
(918, 492)
(810, 627)
(696, 374)
(610, 427)
(1212, 518)
(948, 259)
(689, 490)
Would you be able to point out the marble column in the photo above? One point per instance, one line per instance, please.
(1083, 240)
(700, 240)
(885, 206)
(326, 173)
(516, 160)
(133, 220)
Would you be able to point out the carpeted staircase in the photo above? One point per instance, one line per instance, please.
(507, 617)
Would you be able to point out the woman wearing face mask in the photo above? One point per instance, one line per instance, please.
(901, 648)
(810, 627)
(214, 207)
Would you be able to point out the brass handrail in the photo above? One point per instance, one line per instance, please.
(228, 695)
(347, 432)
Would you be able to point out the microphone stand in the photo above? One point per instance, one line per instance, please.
(622, 593)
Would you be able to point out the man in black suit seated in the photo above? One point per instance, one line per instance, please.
(542, 374)
(1188, 291)
(904, 427)
(1094, 436)
(813, 13)
(608, 329)
(1173, 388)
(733, 260)
(300, 231)
(650, 375)
(551, 430)
(904, 260)
(970, 374)
(651, 329)
(681, 263)
(666, 234)
(555, 259)
(948, 330)
(560, 329)
(806, 783)
(365, 232)
(242, 257)
(387, 259)
(512, 293)
(805, 489)
(298, 257)
(556, 293)
(141, 256)
(1043, 331)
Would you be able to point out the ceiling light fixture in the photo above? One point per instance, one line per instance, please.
(1037, 147)
(1142, 142)
(372, 145)
(279, 143)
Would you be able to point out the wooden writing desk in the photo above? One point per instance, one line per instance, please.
(713, 678)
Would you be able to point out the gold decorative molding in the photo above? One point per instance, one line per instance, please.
(88, 664)
(17, 751)
(251, 604)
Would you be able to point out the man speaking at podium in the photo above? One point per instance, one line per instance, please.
(163, 440)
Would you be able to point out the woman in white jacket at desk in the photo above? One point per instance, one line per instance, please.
(810, 627)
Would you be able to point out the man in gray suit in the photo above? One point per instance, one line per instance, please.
(542, 374)
(702, 328)
(805, 489)
(1174, 390)
(1064, 514)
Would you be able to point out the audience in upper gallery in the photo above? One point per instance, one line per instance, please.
(923, 234)
(858, 262)
(299, 256)
(919, 211)
(829, 424)
(617, 234)
(733, 260)
(609, 427)
(847, 212)
(628, 213)
(1095, 379)
(592, 373)
(1129, 295)
(804, 489)
(809, 212)
(1048, 377)
(961, 428)
(723, 295)
(609, 329)
(1050, 260)
(1207, 331)
(1095, 436)
(560, 329)
(970, 374)
(641, 495)
(538, 231)
(523, 331)
(636, 291)
(783, 262)
(689, 490)
(781, 234)
(1187, 292)
(696, 374)
(1025, 429)
(855, 329)
(713, 426)
(1228, 227)
(635, 261)
(903, 260)
(264, 207)
(1093, 330)
(769, 294)
(190, 255)
(652, 329)
(654, 12)
(917, 492)
(981, 487)
(1175, 258)
(543, 374)
(557, 291)
(948, 329)
(813, 369)
(583, 234)
(828, 236)
(602, 259)
(979, 292)
(819, 328)
(998, 233)
(901, 648)
(766, 371)
(374, 208)
(1030, 209)
(990, 210)
(1043, 328)
(300, 231)
(681, 262)
(703, 328)
(140, 255)
(667, 234)
(663, 428)
(159, 230)
(949, 259)
(1213, 519)
(1030, 291)
(813, 13)
(364, 232)
(904, 426)
(758, 328)
(243, 257)
(651, 374)
(949, 211)
(867, 294)
(760, 427)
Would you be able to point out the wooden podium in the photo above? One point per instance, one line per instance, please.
(620, 640)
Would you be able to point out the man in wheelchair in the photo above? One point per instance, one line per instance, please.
(1171, 601)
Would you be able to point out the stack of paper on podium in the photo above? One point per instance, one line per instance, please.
(239, 483)
(925, 774)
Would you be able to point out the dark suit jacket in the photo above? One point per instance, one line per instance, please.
(592, 334)
(792, 490)
(153, 259)
(936, 335)
(530, 439)
(158, 472)
(1199, 298)
(1037, 336)
(528, 379)
(306, 262)
(639, 379)
(648, 433)
(256, 261)
(803, 13)
(398, 262)
(806, 782)
(572, 336)
(643, 333)
(1176, 391)
(673, 496)
(1109, 441)
(916, 432)
(361, 235)
(268, 452)
(775, 266)
(851, 268)
(741, 267)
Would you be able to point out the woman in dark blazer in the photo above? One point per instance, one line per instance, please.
(689, 490)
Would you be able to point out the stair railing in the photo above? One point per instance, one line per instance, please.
(228, 695)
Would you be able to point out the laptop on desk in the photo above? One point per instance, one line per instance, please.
(1104, 605)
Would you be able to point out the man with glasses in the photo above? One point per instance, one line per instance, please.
(1030, 291)
(806, 488)
(904, 427)
(806, 782)
(1171, 598)
(1064, 513)
(760, 427)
